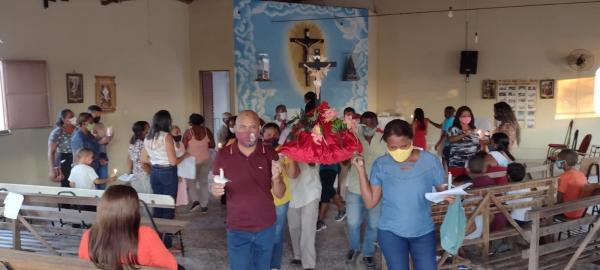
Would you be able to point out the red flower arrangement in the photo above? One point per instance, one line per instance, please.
(320, 137)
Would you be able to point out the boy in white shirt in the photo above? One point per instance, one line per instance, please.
(83, 175)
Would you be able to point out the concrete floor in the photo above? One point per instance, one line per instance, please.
(206, 248)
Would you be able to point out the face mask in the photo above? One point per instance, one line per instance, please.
(283, 116)
(272, 142)
(231, 130)
(91, 126)
(72, 121)
(369, 131)
(465, 120)
(560, 164)
(400, 155)
(247, 139)
(97, 119)
(177, 138)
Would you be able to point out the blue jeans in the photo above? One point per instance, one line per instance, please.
(357, 213)
(396, 250)
(164, 181)
(102, 174)
(281, 214)
(250, 250)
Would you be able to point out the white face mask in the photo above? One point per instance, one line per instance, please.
(282, 116)
(73, 121)
(231, 130)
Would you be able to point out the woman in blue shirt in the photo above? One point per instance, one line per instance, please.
(400, 180)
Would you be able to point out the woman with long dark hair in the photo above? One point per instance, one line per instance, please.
(60, 155)
(464, 140)
(419, 126)
(116, 241)
(159, 150)
(500, 156)
(400, 179)
(140, 170)
(508, 124)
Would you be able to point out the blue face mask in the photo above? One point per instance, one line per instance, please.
(368, 131)
(560, 164)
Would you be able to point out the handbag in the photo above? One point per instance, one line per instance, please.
(452, 232)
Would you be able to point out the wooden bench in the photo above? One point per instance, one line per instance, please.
(22, 260)
(39, 206)
(490, 201)
(549, 252)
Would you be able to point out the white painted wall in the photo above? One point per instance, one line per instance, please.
(146, 49)
(418, 59)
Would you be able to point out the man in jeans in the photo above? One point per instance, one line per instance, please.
(373, 147)
(253, 173)
(103, 136)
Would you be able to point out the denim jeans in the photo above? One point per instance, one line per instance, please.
(164, 181)
(250, 250)
(396, 250)
(281, 214)
(357, 214)
(102, 174)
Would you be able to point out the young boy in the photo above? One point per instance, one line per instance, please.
(83, 175)
(570, 182)
(515, 172)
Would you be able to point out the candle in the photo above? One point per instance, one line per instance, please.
(221, 174)
(449, 180)
(115, 171)
(220, 145)
(109, 131)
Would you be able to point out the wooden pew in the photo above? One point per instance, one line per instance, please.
(553, 253)
(490, 201)
(22, 260)
(41, 205)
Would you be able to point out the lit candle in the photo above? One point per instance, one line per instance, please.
(449, 180)
(220, 145)
(115, 171)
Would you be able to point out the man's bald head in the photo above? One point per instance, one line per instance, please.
(247, 121)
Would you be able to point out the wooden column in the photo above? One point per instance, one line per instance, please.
(534, 241)
(16, 233)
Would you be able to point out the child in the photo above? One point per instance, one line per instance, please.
(83, 175)
(570, 182)
(182, 198)
(179, 147)
(140, 170)
(515, 173)
(477, 171)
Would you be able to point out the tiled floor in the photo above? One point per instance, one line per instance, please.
(205, 242)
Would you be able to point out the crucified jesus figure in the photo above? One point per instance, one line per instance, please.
(318, 75)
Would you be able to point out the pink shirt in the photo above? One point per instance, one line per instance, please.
(197, 148)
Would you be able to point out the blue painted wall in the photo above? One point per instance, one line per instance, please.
(255, 32)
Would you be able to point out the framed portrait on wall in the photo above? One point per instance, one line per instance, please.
(106, 93)
(488, 89)
(74, 88)
(546, 89)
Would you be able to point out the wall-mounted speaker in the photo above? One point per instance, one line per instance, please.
(468, 62)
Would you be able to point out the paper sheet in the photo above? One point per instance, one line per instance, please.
(217, 179)
(437, 197)
(12, 205)
(126, 177)
(187, 168)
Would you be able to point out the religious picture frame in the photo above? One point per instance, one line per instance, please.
(74, 82)
(489, 89)
(106, 93)
(547, 89)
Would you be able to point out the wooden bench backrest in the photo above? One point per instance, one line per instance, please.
(22, 260)
(541, 191)
(153, 200)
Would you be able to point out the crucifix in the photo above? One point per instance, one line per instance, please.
(318, 70)
(306, 42)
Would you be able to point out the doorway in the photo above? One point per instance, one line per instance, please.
(215, 97)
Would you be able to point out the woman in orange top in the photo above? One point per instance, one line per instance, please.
(117, 241)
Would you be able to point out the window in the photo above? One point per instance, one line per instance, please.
(3, 126)
(578, 98)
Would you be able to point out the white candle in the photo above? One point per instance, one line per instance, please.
(449, 180)
(220, 145)
(221, 174)
(115, 171)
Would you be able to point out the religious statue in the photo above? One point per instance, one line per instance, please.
(318, 69)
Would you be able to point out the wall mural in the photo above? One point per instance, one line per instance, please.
(270, 56)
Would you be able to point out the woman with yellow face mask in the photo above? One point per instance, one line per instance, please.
(400, 180)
